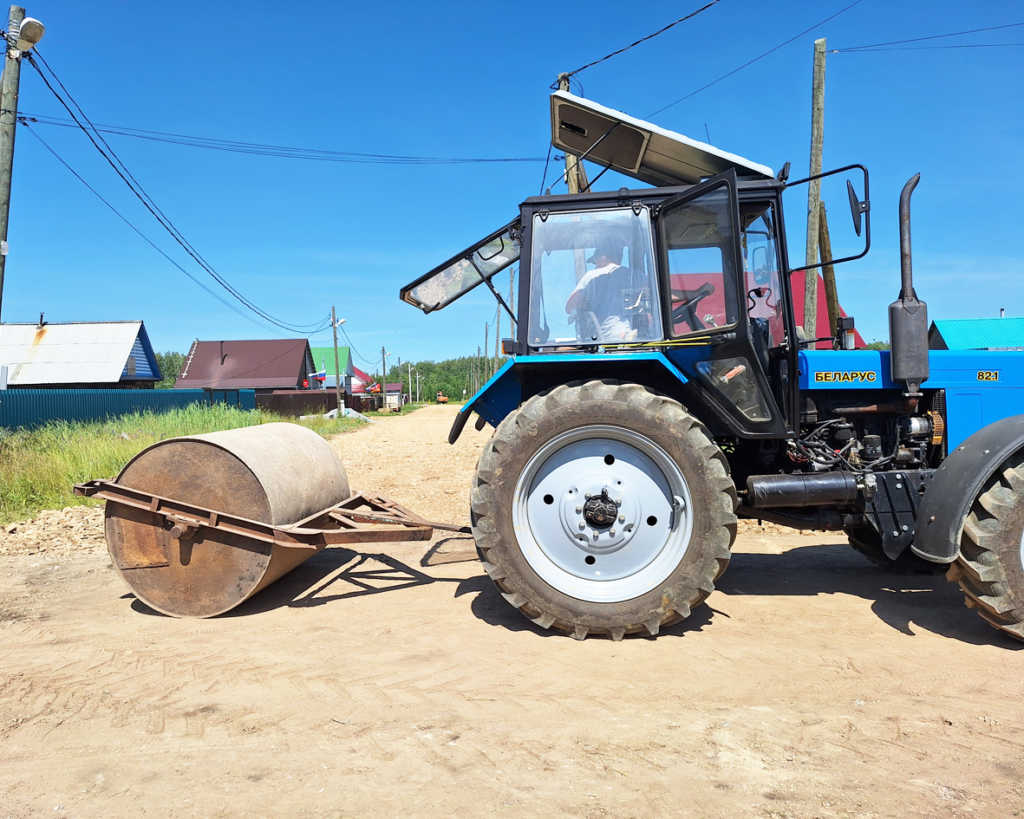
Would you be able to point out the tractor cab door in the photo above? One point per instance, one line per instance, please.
(722, 322)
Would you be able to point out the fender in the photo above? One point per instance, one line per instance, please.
(956, 484)
(527, 375)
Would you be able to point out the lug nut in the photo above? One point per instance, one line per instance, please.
(612, 533)
(582, 526)
(622, 518)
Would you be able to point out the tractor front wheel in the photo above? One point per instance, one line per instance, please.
(603, 508)
(990, 568)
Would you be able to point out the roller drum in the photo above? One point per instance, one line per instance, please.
(274, 473)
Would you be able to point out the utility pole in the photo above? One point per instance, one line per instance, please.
(497, 338)
(576, 179)
(483, 362)
(814, 189)
(575, 174)
(383, 379)
(337, 364)
(8, 123)
(828, 272)
(417, 386)
(408, 364)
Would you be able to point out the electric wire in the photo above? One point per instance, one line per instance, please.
(759, 57)
(924, 48)
(544, 178)
(650, 36)
(152, 205)
(281, 151)
(352, 346)
(931, 37)
(137, 230)
(122, 171)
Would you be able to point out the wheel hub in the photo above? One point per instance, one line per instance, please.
(600, 511)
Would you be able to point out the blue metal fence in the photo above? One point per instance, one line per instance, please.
(30, 408)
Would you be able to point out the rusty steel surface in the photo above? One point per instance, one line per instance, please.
(196, 525)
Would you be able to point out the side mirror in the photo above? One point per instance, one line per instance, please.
(843, 245)
(857, 208)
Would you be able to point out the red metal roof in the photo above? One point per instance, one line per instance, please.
(253, 364)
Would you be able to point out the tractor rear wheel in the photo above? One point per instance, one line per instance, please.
(990, 568)
(603, 508)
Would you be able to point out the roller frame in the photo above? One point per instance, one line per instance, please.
(338, 525)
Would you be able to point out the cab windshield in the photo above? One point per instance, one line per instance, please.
(593, 279)
(460, 274)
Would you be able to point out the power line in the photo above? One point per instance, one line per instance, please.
(122, 171)
(759, 57)
(135, 228)
(152, 206)
(281, 151)
(933, 37)
(359, 355)
(650, 36)
(925, 48)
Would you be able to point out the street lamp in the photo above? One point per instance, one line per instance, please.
(30, 33)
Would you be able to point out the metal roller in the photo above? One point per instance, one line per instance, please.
(278, 474)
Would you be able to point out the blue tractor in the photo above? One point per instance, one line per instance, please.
(660, 387)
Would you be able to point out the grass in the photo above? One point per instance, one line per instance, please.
(39, 466)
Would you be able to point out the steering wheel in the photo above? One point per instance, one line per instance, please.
(684, 305)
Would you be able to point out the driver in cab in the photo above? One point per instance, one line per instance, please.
(598, 300)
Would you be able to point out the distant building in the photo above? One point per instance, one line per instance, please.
(393, 395)
(360, 380)
(261, 365)
(77, 354)
(323, 362)
(977, 334)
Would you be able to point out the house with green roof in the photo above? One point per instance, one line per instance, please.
(323, 360)
(977, 334)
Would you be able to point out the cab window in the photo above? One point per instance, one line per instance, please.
(697, 235)
(764, 295)
(593, 279)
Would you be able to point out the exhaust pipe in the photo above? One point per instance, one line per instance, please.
(908, 316)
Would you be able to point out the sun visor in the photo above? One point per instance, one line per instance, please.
(637, 148)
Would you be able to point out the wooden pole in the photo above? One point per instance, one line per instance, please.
(497, 339)
(814, 189)
(828, 272)
(8, 123)
(571, 161)
(483, 361)
(337, 364)
(576, 180)
(383, 379)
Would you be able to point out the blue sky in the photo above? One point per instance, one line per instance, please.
(471, 79)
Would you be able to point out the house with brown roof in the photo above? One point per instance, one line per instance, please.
(263, 365)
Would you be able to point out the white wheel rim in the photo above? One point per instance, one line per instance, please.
(564, 534)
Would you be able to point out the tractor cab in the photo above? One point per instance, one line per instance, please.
(694, 267)
(690, 270)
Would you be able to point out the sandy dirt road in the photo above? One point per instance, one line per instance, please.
(811, 685)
